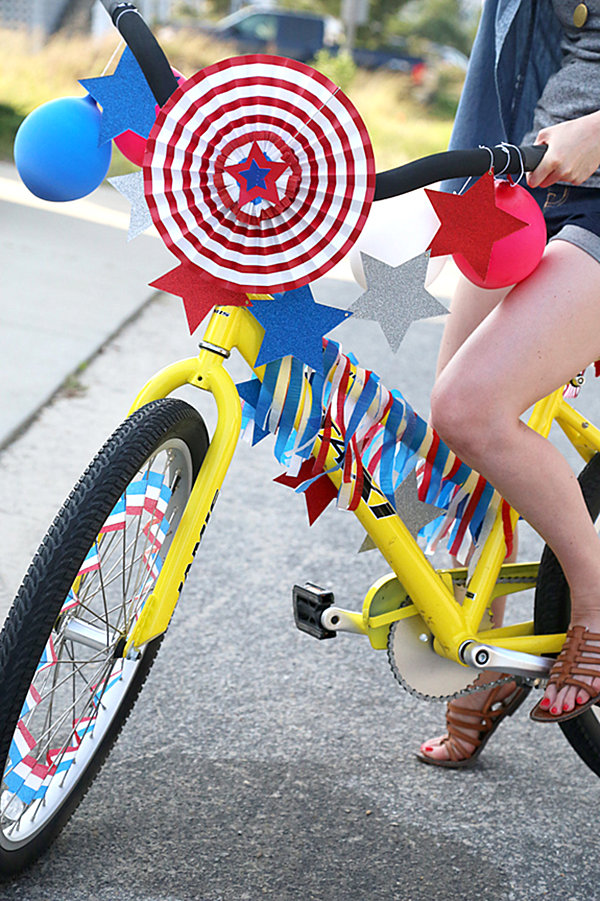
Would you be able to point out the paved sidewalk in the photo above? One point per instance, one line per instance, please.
(69, 281)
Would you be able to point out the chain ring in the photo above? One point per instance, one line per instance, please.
(433, 661)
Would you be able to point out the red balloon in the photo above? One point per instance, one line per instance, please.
(515, 256)
(133, 145)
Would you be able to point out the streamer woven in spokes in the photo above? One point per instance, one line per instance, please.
(259, 171)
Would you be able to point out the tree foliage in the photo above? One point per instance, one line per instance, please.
(449, 22)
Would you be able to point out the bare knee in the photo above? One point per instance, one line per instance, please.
(465, 420)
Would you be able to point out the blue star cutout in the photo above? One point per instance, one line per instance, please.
(294, 325)
(255, 176)
(126, 100)
(249, 391)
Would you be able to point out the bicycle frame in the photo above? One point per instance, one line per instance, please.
(431, 593)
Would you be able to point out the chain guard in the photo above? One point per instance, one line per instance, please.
(421, 671)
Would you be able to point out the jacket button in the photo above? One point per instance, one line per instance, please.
(580, 15)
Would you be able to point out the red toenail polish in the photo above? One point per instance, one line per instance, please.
(545, 703)
(555, 710)
(427, 748)
(567, 708)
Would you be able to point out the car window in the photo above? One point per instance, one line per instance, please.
(261, 26)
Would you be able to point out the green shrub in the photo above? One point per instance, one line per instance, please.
(10, 120)
(339, 67)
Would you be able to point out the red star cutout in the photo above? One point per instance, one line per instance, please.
(471, 223)
(318, 495)
(271, 171)
(199, 292)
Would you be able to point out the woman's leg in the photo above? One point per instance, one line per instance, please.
(544, 332)
(469, 308)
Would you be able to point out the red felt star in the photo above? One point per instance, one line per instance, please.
(199, 292)
(471, 223)
(256, 176)
(318, 495)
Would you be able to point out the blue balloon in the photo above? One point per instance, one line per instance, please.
(56, 149)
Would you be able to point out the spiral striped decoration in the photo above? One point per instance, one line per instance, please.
(260, 171)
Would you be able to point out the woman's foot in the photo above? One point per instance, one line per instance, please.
(575, 677)
(471, 720)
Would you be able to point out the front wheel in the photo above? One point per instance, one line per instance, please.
(65, 688)
(552, 613)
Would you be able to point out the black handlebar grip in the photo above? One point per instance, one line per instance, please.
(455, 164)
(145, 48)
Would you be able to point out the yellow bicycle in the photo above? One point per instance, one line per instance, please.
(97, 599)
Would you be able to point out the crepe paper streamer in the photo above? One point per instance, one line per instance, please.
(131, 186)
(132, 145)
(293, 214)
(375, 431)
(56, 149)
(397, 229)
(126, 100)
(514, 256)
(26, 777)
(471, 224)
(199, 292)
(319, 492)
(295, 324)
(396, 296)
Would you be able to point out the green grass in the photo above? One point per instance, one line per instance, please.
(400, 125)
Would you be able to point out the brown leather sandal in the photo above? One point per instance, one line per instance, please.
(485, 721)
(577, 655)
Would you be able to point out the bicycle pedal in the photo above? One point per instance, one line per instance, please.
(310, 602)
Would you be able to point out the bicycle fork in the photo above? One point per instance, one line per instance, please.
(211, 376)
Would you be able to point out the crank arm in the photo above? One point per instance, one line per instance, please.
(517, 663)
(336, 619)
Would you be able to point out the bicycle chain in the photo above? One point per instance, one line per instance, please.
(446, 698)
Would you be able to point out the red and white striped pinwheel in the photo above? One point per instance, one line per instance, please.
(260, 171)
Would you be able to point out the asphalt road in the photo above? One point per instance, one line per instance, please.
(260, 763)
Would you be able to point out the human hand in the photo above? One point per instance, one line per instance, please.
(573, 152)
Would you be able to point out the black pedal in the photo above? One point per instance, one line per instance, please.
(310, 602)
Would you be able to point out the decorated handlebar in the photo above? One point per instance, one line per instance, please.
(391, 183)
(259, 175)
(505, 158)
(145, 48)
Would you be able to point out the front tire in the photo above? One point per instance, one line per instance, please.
(65, 688)
(552, 612)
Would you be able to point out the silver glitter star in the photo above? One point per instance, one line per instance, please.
(367, 545)
(396, 296)
(414, 513)
(132, 187)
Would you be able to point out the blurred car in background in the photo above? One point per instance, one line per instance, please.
(297, 35)
(300, 35)
(390, 58)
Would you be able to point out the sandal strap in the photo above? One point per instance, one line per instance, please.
(481, 722)
(575, 658)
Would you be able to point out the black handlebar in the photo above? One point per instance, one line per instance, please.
(144, 46)
(418, 174)
(456, 164)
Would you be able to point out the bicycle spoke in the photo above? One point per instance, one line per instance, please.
(79, 686)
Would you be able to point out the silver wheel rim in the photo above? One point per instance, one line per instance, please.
(81, 678)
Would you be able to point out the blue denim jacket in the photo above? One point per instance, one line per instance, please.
(516, 49)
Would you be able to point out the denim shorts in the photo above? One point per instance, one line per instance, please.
(572, 214)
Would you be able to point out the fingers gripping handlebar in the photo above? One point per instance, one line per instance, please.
(418, 174)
